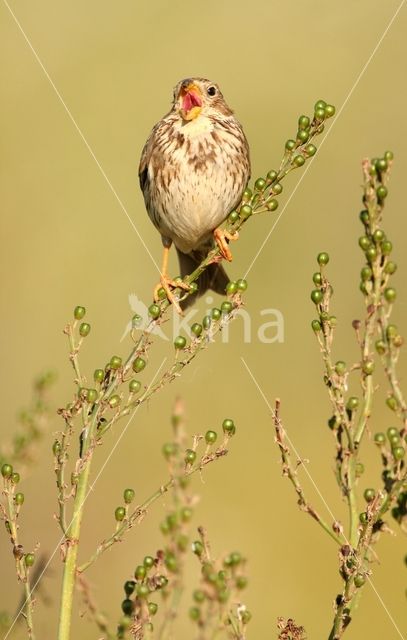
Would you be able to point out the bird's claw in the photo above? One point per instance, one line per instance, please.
(222, 237)
(168, 284)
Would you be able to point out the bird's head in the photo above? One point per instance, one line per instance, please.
(197, 96)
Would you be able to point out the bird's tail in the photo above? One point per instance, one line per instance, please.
(214, 277)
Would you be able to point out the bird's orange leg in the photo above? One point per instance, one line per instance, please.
(168, 284)
(222, 237)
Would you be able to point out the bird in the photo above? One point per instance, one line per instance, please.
(194, 168)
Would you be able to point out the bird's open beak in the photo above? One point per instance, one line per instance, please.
(190, 97)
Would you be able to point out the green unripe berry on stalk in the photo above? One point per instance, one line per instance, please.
(138, 364)
(316, 296)
(352, 403)
(316, 326)
(226, 307)
(197, 548)
(260, 184)
(6, 470)
(380, 347)
(206, 322)
(366, 273)
(381, 192)
(56, 448)
(319, 114)
(199, 596)
(386, 247)
(242, 284)
(120, 513)
(378, 235)
(277, 188)
(390, 294)
(115, 362)
(290, 145)
(231, 288)
(391, 432)
(364, 216)
(379, 438)
(148, 562)
(304, 122)
(389, 155)
(364, 243)
(228, 427)
(19, 499)
(246, 211)
(233, 216)
(190, 456)
(302, 136)
(391, 331)
(152, 608)
(317, 278)
(368, 367)
(161, 293)
(392, 403)
(154, 311)
(29, 559)
(371, 254)
(216, 313)
(381, 164)
(340, 368)
(79, 312)
(194, 613)
(140, 572)
(320, 104)
(186, 514)
(369, 495)
(310, 150)
(128, 495)
(322, 258)
(247, 194)
(329, 110)
(142, 591)
(398, 453)
(114, 401)
(15, 477)
(298, 160)
(394, 441)
(134, 386)
(180, 342)
(271, 176)
(91, 396)
(211, 437)
(359, 580)
(363, 519)
(84, 329)
(196, 329)
(98, 375)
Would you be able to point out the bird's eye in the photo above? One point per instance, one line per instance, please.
(211, 91)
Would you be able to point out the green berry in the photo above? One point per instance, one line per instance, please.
(129, 587)
(364, 242)
(91, 396)
(206, 322)
(381, 164)
(290, 145)
(190, 456)
(140, 572)
(134, 386)
(233, 216)
(84, 329)
(148, 562)
(390, 268)
(371, 254)
(329, 110)
(310, 150)
(398, 453)
(352, 403)
(6, 470)
(242, 284)
(127, 607)
(359, 469)
(154, 311)
(180, 342)
(115, 362)
(394, 441)
(197, 548)
(186, 514)
(199, 596)
(363, 519)
(114, 401)
(98, 375)
(169, 450)
(391, 432)
(271, 176)
(298, 160)
(56, 448)
(215, 313)
(128, 495)
(359, 580)
(302, 136)
(246, 211)
(392, 403)
(226, 307)
(79, 313)
(368, 367)
(152, 608)
(241, 582)
(260, 184)
(366, 273)
(386, 247)
(196, 329)
(246, 616)
(316, 326)
(303, 122)
(210, 437)
(19, 499)
(316, 296)
(139, 364)
(277, 188)
(369, 495)
(340, 368)
(29, 559)
(120, 513)
(194, 613)
(378, 236)
(319, 114)
(390, 294)
(247, 194)
(320, 104)
(272, 204)
(317, 279)
(391, 332)
(322, 258)
(380, 347)
(379, 438)
(231, 288)
(381, 192)
(364, 216)
(228, 427)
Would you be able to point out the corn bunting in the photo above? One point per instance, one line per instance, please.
(193, 170)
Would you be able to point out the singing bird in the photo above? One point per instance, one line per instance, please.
(193, 170)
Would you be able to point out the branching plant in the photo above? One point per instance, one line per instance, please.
(379, 342)
(114, 392)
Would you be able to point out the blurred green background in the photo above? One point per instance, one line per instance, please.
(66, 241)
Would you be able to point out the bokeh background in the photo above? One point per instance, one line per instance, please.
(67, 241)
